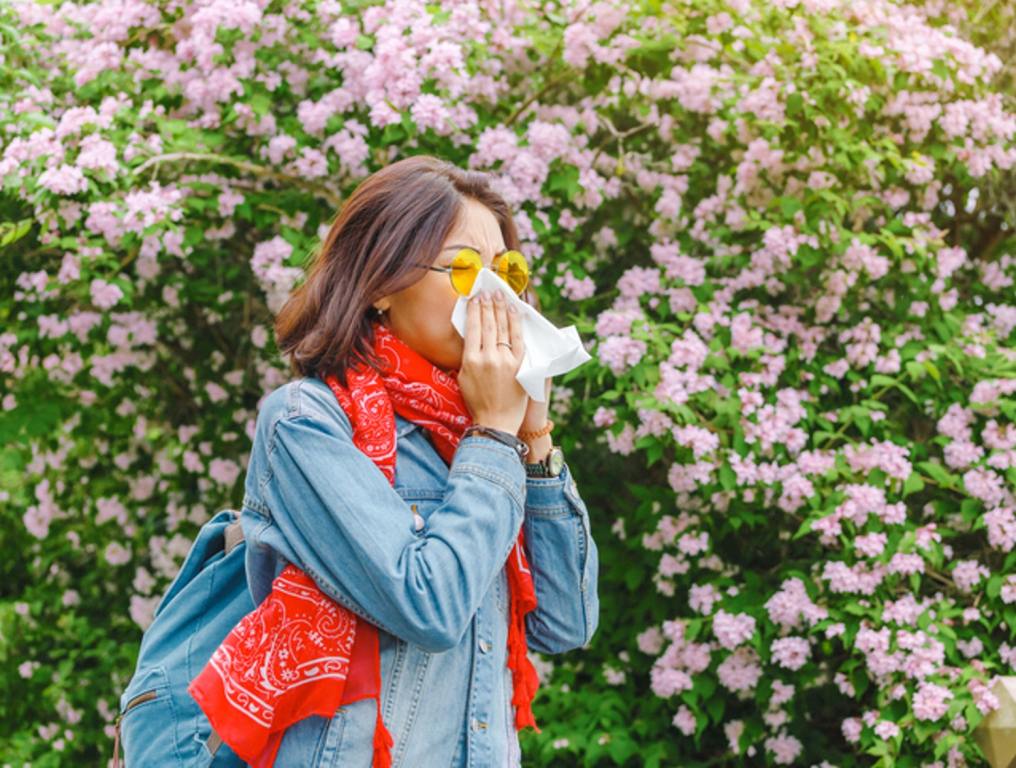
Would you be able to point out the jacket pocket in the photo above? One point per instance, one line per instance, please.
(421, 502)
(147, 722)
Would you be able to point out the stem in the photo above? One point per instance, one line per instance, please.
(554, 81)
(260, 171)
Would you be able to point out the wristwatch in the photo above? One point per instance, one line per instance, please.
(551, 465)
(501, 436)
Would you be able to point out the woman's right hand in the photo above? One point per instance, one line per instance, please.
(487, 374)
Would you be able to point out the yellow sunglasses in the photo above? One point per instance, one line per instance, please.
(510, 266)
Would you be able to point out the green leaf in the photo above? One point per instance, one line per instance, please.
(563, 180)
(938, 473)
(727, 477)
(11, 232)
(261, 103)
(913, 484)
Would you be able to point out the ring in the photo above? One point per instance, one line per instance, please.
(505, 343)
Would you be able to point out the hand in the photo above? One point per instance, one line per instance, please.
(487, 375)
(536, 413)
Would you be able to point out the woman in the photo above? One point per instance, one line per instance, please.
(424, 534)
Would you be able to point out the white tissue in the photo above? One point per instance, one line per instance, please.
(550, 351)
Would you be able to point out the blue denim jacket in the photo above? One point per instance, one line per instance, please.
(436, 588)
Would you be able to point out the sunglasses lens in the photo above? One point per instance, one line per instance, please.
(513, 269)
(465, 268)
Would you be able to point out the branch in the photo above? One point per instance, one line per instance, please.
(553, 82)
(260, 171)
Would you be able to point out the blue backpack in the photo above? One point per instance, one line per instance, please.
(159, 723)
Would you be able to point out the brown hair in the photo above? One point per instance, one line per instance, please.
(395, 221)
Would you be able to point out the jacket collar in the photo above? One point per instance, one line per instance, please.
(404, 426)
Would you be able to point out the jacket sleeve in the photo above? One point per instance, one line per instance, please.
(343, 523)
(565, 564)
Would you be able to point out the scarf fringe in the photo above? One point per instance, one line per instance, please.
(383, 741)
(525, 680)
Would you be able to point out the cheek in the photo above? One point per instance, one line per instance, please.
(428, 314)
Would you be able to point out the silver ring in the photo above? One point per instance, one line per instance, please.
(505, 343)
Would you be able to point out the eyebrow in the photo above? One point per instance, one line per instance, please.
(449, 247)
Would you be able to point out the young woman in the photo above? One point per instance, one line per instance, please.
(411, 530)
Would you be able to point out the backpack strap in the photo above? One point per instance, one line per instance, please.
(213, 743)
(234, 535)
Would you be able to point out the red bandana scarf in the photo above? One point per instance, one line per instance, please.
(300, 653)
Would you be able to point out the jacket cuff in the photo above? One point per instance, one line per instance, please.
(552, 494)
(493, 460)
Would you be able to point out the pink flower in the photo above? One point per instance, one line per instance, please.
(105, 295)
(666, 681)
(871, 544)
(886, 730)
(279, 147)
(63, 180)
(97, 154)
(701, 598)
(786, 749)
(650, 641)
(967, 573)
(224, 471)
(311, 164)
(790, 652)
(116, 554)
(740, 671)
(732, 629)
(1008, 592)
(906, 564)
(684, 721)
(621, 352)
(637, 282)
(851, 728)
(788, 606)
(931, 701)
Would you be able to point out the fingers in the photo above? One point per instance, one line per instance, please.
(488, 338)
(501, 317)
(471, 345)
(515, 334)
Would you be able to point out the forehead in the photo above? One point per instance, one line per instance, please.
(476, 225)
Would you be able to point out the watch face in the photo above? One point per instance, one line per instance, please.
(555, 461)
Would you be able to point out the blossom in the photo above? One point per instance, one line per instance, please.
(64, 180)
(786, 749)
(684, 721)
(733, 629)
(740, 671)
(931, 701)
(105, 295)
(790, 652)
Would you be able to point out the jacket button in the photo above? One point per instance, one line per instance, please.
(417, 520)
(484, 645)
(479, 725)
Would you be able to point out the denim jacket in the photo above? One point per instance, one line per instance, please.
(423, 560)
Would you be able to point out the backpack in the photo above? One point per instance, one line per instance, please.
(159, 723)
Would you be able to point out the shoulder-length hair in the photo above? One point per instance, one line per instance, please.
(395, 221)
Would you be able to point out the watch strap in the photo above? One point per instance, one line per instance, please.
(542, 468)
(501, 436)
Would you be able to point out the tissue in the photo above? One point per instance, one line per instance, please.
(550, 351)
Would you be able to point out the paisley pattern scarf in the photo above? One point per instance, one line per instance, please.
(300, 653)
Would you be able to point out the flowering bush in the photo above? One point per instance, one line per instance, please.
(767, 217)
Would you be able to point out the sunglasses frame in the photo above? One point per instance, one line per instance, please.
(494, 266)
